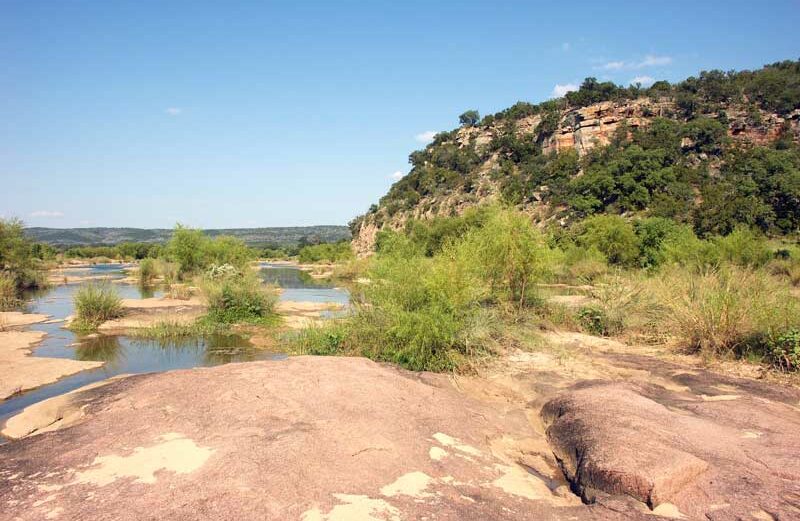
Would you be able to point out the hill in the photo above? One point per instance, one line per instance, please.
(714, 151)
(283, 236)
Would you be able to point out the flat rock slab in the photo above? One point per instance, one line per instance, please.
(19, 371)
(17, 319)
(308, 438)
(161, 303)
(144, 313)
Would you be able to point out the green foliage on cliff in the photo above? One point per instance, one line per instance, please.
(681, 166)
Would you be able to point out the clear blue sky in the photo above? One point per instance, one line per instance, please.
(239, 114)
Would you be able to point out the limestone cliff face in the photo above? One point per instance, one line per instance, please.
(581, 129)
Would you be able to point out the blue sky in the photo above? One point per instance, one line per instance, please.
(239, 114)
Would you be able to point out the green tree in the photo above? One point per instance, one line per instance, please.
(469, 118)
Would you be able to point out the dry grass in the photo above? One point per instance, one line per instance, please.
(718, 312)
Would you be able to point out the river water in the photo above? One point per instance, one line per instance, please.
(125, 355)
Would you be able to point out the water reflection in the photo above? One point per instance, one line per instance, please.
(297, 285)
(125, 355)
(101, 349)
(290, 277)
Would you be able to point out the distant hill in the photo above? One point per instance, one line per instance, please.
(285, 236)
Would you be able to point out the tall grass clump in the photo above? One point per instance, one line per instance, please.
(95, 302)
(619, 304)
(724, 311)
(236, 296)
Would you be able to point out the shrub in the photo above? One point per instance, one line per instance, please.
(419, 312)
(789, 268)
(225, 250)
(685, 249)
(147, 271)
(19, 265)
(594, 320)
(743, 247)
(185, 247)
(169, 271)
(94, 304)
(236, 298)
(195, 252)
(611, 235)
(619, 304)
(328, 339)
(653, 232)
(510, 255)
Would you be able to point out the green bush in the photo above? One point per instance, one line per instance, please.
(594, 320)
(510, 255)
(194, 252)
(19, 265)
(96, 302)
(236, 297)
(584, 265)
(326, 340)
(147, 271)
(612, 236)
(618, 305)
(653, 233)
(419, 312)
(743, 247)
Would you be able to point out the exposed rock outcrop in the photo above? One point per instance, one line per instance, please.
(306, 438)
(579, 129)
(721, 456)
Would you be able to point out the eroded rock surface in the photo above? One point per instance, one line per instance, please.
(306, 438)
(718, 456)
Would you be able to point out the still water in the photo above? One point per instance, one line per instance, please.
(125, 355)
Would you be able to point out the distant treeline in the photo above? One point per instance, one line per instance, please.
(256, 237)
(307, 251)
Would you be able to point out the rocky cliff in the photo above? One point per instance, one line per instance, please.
(436, 187)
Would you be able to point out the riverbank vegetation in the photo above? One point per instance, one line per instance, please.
(22, 263)
(95, 303)
(440, 294)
